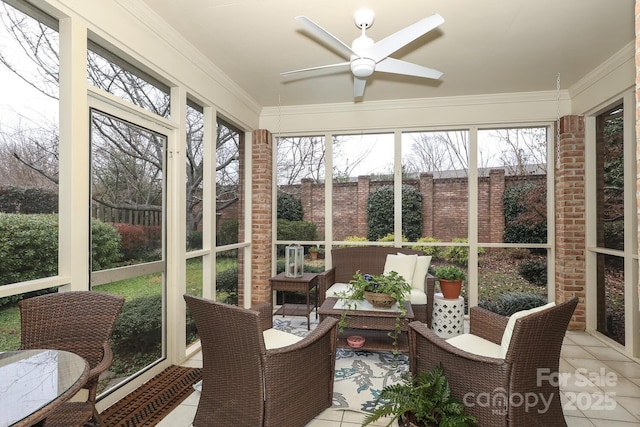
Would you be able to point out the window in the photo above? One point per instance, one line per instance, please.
(29, 144)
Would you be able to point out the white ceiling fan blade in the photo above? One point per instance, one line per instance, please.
(320, 67)
(326, 36)
(395, 41)
(358, 86)
(396, 66)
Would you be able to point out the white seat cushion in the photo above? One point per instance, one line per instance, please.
(508, 331)
(418, 297)
(476, 345)
(274, 338)
(335, 289)
(401, 264)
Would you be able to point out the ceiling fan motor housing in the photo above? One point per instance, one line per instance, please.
(362, 67)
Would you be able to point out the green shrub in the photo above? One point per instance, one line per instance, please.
(520, 226)
(194, 240)
(353, 239)
(534, 271)
(227, 233)
(380, 220)
(28, 200)
(510, 303)
(28, 247)
(296, 230)
(390, 238)
(459, 254)
(139, 326)
(289, 207)
(105, 246)
(227, 281)
(433, 251)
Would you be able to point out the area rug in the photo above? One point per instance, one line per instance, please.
(359, 375)
(153, 401)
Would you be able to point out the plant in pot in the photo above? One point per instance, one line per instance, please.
(421, 401)
(313, 252)
(382, 291)
(450, 278)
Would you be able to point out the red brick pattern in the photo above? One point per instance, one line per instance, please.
(570, 217)
(261, 200)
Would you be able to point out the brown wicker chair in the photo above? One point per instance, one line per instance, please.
(80, 322)
(245, 384)
(530, 362)
(371, 259)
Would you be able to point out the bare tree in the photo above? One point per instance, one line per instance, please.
(438, 152)
(118, 150)
(522, 147)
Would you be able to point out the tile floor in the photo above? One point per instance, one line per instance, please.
(602, 388)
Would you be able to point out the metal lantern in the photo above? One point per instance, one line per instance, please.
(293, 261)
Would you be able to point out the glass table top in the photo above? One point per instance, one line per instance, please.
(32, 379)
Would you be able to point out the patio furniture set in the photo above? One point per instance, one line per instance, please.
(254, 375)
(65, 347)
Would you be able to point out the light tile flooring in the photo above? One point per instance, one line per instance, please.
(601, 387)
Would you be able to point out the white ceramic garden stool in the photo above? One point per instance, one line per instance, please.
(448, 316)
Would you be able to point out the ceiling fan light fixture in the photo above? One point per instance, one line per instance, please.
(362, 67)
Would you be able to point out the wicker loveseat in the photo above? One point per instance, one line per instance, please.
(371, 260)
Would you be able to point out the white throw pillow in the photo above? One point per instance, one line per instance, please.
(403, 265)
(420, 271)
(508, 331)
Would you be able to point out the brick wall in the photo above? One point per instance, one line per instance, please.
(445, 204)
(570, 217)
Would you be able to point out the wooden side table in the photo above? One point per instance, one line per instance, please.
(448, 316)
(305, 284)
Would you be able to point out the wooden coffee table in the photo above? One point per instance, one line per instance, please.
(374, 325)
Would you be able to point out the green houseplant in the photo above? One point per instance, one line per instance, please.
(450, 278)
(421, 401)
(391, 284)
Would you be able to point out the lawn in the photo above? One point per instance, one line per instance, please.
(137, 287)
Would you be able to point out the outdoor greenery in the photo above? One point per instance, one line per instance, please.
(513, 302)
(450, 272)
(380, 204)
(30, 200)
(391, 284)
(535, 271)
(289, 207)
(525, 213)
(426, 399)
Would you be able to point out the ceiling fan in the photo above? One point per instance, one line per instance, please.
(366, 56)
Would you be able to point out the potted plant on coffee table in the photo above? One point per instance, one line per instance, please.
(421, 401)
(450, 278)
(382, 291)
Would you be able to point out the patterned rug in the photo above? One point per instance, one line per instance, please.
(359, 375)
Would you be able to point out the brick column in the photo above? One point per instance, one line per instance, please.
(261, 209)
(364, 184)
(426, 191)
(496, 205)
(570, 217)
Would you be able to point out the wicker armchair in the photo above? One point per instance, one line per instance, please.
(80, 322)
(490, 387)
(243, 383)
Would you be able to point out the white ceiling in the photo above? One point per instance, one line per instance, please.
(483, 47)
